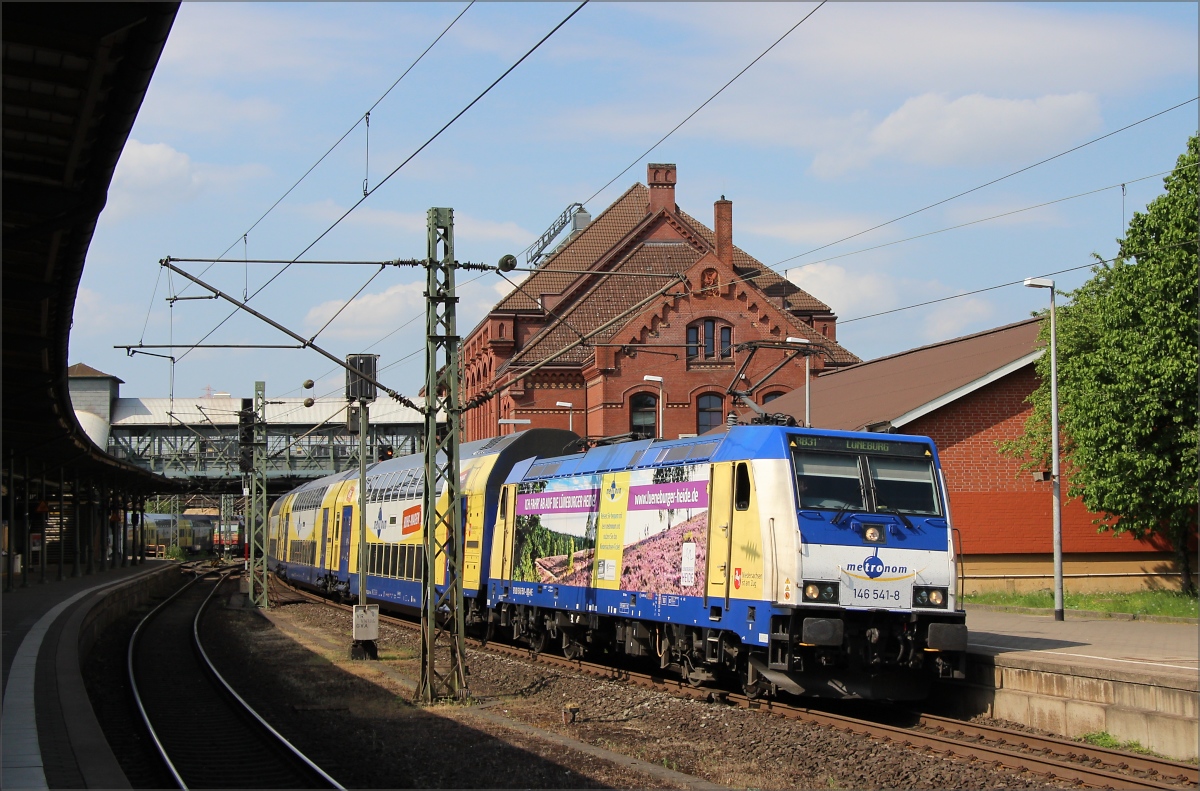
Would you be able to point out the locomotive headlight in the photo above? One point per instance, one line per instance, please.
(821, 592)
(873, 534)
(929, 597)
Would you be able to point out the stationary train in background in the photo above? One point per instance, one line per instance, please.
(816, 562)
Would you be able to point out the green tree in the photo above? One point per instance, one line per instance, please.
(1127, 369)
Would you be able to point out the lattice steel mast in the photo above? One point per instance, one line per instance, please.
(256, 516)
(442, 617)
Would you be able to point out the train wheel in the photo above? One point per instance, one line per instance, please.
(753, 685)
(537, 641)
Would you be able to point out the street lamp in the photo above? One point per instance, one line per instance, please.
(1042, 282)
(659, 379)
(807, 380)
(570, 413)
(514, 421)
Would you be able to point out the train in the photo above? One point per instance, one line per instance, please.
(813, 562)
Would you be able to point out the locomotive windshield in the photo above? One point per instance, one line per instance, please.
(827, 480)
(904, 485)
(867, 482)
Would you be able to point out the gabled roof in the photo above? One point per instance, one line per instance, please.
(609, 227)
(616, 226)
(613, 225)
(84, 371)
(767, 280)
(606, 300)
(892, 391)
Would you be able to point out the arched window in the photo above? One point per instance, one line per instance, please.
(769, 397)
(709, 339)
(709, 412)
(643, 416)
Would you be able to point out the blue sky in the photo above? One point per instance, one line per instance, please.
(864, 113)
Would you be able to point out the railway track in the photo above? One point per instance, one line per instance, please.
(206, 735)
(1053, 757)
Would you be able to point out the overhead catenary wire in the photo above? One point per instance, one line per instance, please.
(995, 217)
(1093, 263)
(705, 103)
(987, 184)
(347, 133)
(397, 169)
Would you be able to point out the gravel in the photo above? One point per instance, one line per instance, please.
(357, 721)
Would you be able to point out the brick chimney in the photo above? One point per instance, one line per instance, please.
(723, 229)
(661, 179)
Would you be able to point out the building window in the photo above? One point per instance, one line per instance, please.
(769, 397)
(709, 412)
(643, 416)
(709, 339)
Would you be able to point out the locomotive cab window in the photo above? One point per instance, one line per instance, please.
(827, 480)
(904, 485)
(741, 488)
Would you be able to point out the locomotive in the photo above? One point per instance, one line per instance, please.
(820, 563)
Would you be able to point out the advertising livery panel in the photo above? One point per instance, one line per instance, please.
(638, 530)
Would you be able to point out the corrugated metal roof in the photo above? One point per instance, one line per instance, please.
(879, 391)
(223, 411)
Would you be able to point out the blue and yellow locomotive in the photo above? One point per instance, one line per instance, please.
(815, 562)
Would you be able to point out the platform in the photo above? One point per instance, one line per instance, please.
(1136, 680)
(47, 717)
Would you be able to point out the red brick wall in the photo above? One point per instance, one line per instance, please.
(997, 507)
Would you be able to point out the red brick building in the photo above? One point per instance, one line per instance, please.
(644, 289)
(969, 395)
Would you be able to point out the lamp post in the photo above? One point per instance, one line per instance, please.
(513, 421)
(570, 413)
(659, 379)
(1042, 282)
(807, 379)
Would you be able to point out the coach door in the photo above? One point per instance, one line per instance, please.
(324, 535)
(720, 525)
(346, 528)
(504, 526)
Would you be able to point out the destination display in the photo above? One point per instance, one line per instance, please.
(883, 447)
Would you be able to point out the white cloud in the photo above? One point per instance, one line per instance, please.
(976, 129)
(956, 317)
(99, 313)
(818, 230)
(206, 112)
(1001, 48)
(466, 226)
(848, 293)
(236, 40)
(1046, 215)
(370, 316)
(151, 177)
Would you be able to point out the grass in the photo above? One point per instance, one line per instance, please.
(1168, 603)
(1109, 742)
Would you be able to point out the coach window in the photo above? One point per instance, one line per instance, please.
(709, 409)
(643, 416)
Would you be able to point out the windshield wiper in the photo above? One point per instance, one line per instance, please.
(897, 514)
(838, 516)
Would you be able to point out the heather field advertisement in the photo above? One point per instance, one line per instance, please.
(644, 530)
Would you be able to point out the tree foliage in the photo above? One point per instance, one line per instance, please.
(1127, 371)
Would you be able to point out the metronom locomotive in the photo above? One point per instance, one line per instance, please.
(815, 562)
